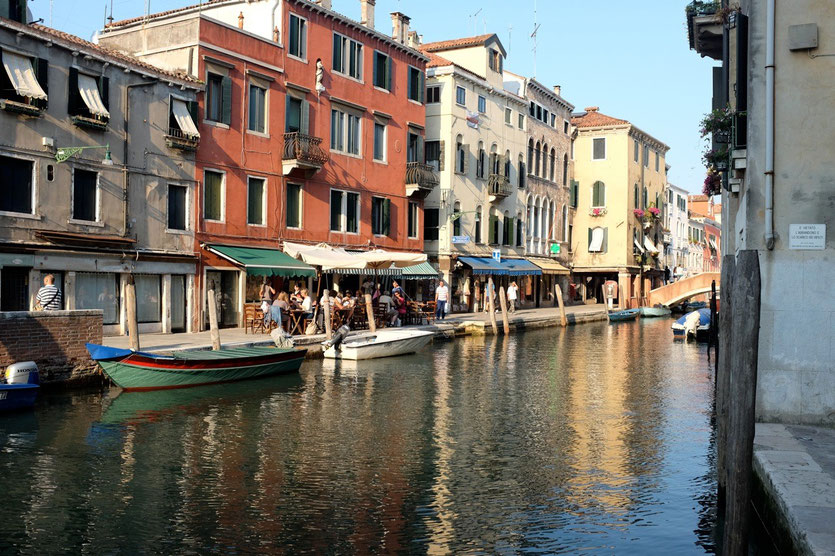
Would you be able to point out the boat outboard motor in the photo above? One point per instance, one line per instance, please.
(22, 373)
(338, 336)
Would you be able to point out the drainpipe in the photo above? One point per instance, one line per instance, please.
(125, 178)
(769, 124)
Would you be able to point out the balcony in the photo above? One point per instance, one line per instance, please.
(704, 28)
(420, 179)
(499, 187)
(176, 139)
(303, 154)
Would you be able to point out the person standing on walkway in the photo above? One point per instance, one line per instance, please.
(395, 287)
(512, 295)
(441, 299)
(49, 296)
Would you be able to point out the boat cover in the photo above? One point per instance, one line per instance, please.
(104, 353)
(704, 317)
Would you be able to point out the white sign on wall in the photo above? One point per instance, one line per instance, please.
(497, 255)
(807, 236)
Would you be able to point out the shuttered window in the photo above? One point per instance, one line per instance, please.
(256, 190)
(598, 194)
(16, 185)
(177, 206)
(218, 103)
(212, 195)
(257, 108)
(413, 220)
(298, 37)
(416, 84)
(431, 224)
(599, 148)
(294, 205)
(382, 71)
(380, 216)
(84, 195)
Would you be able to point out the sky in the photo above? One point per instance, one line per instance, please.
(629, 58)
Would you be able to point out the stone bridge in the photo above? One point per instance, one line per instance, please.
(674, 293)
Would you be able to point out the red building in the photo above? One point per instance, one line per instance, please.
(703, 209)
(311, 130)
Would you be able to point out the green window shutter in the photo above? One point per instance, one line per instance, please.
(104, 91)
(226, 100)
(337, 53)
(73, 96)
(305, 118)
(192, 110)
(491, 232)
(510, 229)
(42, 72)
(386, 217)
(605, 246)
(589, 245)
(389, 73)
(375, 73)
(422, 91)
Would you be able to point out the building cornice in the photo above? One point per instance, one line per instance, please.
(465, 75)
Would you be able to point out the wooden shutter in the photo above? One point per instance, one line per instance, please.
(304, 118)
(375, 72)
(422, 89)
(466, 149)
(386, 217)
(73, 96)
(605, 246)
(104, 91)
(337, 53)
(42, 74)
(491, 232)
(389, 73)
(589, 244)
(421, 148)
(226, 100)
(509, 231)
(441, 155)
(192, 110)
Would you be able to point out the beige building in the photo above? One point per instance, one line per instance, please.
(85, 199)
(619, 169)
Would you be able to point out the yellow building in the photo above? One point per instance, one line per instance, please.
(618, 170)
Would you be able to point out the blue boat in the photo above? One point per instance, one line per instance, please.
(693, 324)
(20, 388)
(621, 316)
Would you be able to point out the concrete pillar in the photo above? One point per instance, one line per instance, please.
(165, 323)
(69, 290)
(241, 297)
(191, 314)
(123, 310)
(34, 285)
(624, 289)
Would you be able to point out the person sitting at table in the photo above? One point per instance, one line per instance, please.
(385, 301)
(280, 309)
(296, 296)
(348, 304)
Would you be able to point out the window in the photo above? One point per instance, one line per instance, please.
(637, 197)
(212, 195)
(87, 95)
(574, 193)
(519, 229)
(508, 116)
(646, 156)
(598, 194)
(460, 154)
(413, 220)
(478, 225)
(565, 127)
(294, 205)
(182, 118)
(553, 164)
(431, 224)
(456, 219)
(521, 121)
(507, 165)
(482, 104)
(257, 108)
(522, 170)
(599, 148)
(177, 211)
(414, 147)
(382, 71)
(433, 95)
(637, 149)
(432, 151)
(297, 114)
(148, 298)
(218, 102)
(380, 216)
(347, 56)
(85, 195)
(539, 112)
(480, 161)
(416, 85)
(564, 170)
(345, 132)
(646, 198)
(255, 202)
(461, 96)
(98, 290)
(345, 211)
(532, 109)
(507, 229)
(24, 79)
(494, 60)
(379, 142)
(656, 161)
(16, 180)
(298, 37)
(598, 240)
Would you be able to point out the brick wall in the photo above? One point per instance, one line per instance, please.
(54, 340)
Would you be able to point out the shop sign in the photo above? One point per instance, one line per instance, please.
(497, 255)
(460, 239)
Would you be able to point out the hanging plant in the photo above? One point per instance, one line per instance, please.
(639, 214)
(598, 211)
(713, 183)
(716, 159)
(719, 121)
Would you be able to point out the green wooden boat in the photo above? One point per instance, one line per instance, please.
(151, 371)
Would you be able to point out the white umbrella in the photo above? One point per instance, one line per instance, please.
(323, 255)
(380, 259)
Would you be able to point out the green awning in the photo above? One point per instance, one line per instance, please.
(418, 271)
(263, 262)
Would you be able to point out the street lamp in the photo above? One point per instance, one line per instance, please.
(65, 153)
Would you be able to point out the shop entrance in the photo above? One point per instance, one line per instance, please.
(14, 289)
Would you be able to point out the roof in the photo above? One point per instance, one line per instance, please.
(455, 44)
(592, 117)
(73, 42)
(165, 13)
(436, 61)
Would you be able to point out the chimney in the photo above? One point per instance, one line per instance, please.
(367, 13)
(592, 108)
(400, 27)
(325, 4)
(414, 40)
(557, 90)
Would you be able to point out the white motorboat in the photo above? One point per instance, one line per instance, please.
(383, 343)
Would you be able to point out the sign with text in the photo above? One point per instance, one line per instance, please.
(807, 236)
(460, 239)
(555, 248)
(497, 255)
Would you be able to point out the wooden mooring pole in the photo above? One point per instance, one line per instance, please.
(369, 310)
(326, 307)
(723, 376)
(130, 306)
(558, 293)
(745, 333)
(503, 303)
(491, 306)
(215, 333)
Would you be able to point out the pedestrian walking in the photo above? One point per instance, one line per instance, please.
(512, 296)
(441, 300)
(49, 296)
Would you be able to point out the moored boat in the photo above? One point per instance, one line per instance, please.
(21, 386)
(694, 324)
(650, 312)
(625, 315)
(383, 343)
(151, 371)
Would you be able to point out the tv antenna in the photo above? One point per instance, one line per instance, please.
(533, 36)
(474, 19)
(509, 37)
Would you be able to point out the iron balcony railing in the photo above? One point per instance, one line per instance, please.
(304, 148)
(499, 185)
(421, 175)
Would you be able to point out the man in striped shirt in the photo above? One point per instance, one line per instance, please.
(49, 296)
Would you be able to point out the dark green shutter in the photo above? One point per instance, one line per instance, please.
(491, 232)
(389, 72)
(422, 90)
(73, 96)
(337, 53)
(104, 91)
(573, 194)
(605, 245)
(192, 110)
(376, 72)
(589, 240)
(386, 217)
(42, 73)
(510, 229)
(226, 100)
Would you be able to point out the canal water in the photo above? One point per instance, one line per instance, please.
(596, 438)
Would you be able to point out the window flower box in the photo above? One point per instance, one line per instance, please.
(598, 211)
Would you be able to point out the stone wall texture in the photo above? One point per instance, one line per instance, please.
(54, 340)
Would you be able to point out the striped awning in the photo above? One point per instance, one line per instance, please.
(549, 266)
(420, 271)
(263, 262)
(506, 267)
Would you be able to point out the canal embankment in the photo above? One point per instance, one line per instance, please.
(455, 326)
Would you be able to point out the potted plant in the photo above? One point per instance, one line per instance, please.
(713, 183)
(597, 211)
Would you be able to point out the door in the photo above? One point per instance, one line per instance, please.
(14, 289)
(178, 303)
(229, 299)
(213, 281)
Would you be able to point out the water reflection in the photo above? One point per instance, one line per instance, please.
(595, 437)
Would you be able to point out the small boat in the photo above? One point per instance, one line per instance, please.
(136, 370)
(383, 343)
(649, 312)
(695, 305)
(625, 315)
(21, 386)
(694, 324)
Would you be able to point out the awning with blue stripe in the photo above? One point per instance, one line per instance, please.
(507, 267)
(414, 272)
